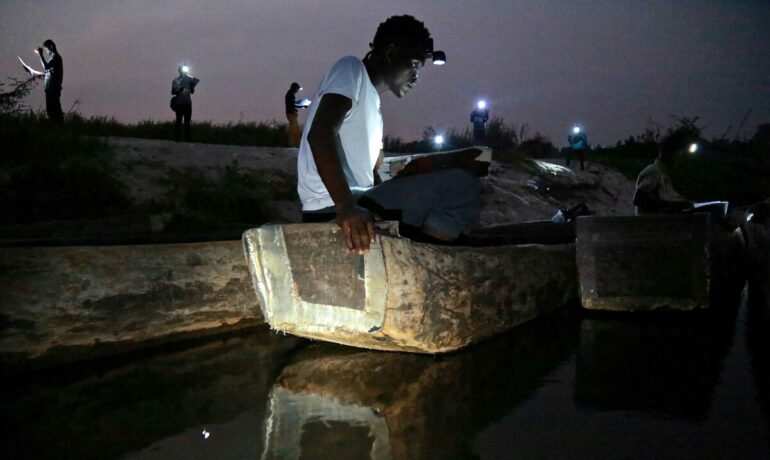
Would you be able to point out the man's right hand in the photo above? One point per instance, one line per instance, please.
(357, 226)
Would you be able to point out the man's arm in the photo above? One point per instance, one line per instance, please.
(356, 223)
(46, 65)
(377, 166)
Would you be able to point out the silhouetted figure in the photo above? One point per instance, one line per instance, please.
(479, 118)
(655, 192)
(54, 75)
(182, 88)
(293, 132)
(578, 143)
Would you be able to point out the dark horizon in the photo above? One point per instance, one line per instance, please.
(609, 66)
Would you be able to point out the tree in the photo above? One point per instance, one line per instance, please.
(11, 100)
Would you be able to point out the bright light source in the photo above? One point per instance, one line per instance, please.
(693, 148)
(439, 139)
(36, 51)
(185, 69)
(439, 58)
(205, 434)
(749, 217)
(482, 104)
(576, 129)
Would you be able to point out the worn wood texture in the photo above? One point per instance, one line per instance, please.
(638, 263)
(61, 304)
(436, 298)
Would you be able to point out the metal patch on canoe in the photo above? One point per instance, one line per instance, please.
(307, 280)
(324, 270)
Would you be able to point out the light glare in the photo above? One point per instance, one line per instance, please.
(693, 148)
(185, 69)
(482, 104)
(439, 139)
(576, 129)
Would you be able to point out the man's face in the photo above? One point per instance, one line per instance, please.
(403, 71)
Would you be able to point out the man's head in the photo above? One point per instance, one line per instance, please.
(295, 87)
(50, 46)
(676, 146)
(401, 45)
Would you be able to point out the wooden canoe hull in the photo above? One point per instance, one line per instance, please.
(658, 262)
(65, 304)
(402, 295)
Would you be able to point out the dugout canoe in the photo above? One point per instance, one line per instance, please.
(402, 295)
(666, 262)
(63, 304)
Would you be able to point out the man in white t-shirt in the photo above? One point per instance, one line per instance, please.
(341, 149)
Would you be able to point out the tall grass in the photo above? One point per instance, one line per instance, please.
(264, 134)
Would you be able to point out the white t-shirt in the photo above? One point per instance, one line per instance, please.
(360, 134)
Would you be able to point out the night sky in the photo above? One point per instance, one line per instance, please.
(609, 65)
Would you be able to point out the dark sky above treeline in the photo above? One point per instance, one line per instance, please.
(611, 66)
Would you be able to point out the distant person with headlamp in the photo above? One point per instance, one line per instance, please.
(341, 148)
(578, 143)
(292, 111)
(479, 118)
(52, 83)
(182, 87)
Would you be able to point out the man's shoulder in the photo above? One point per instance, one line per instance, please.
(651, 169)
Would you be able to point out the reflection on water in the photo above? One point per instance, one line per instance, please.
(759, 354)
(104, 413)
(662, 365)
(405, 405)
(563, 387)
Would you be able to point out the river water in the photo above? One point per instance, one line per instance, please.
(571, 386)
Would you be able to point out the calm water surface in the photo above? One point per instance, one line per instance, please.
(564, 387)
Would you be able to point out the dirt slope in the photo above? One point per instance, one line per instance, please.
(527, 190)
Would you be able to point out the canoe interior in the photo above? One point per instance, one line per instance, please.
(633, 263)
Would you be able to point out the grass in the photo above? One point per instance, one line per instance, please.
(264, 134)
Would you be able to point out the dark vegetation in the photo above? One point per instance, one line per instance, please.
(61, 173)
(50, 172)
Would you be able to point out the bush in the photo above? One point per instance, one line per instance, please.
(51, 173)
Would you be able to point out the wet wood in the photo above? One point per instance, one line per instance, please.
(63, 304)
(425, 298)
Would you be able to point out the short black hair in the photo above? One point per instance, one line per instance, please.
(49, 44)
(677, 141)
(404, 31)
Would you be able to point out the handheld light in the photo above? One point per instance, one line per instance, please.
(693, 148)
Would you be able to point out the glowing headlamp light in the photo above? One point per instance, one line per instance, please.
(693, 148)
(482, 104)
(439, 57)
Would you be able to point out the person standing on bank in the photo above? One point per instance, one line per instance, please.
(290, 100)
(54, 75)
(182, 87)
(479, 118)
(341, 148)
(578, 143)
